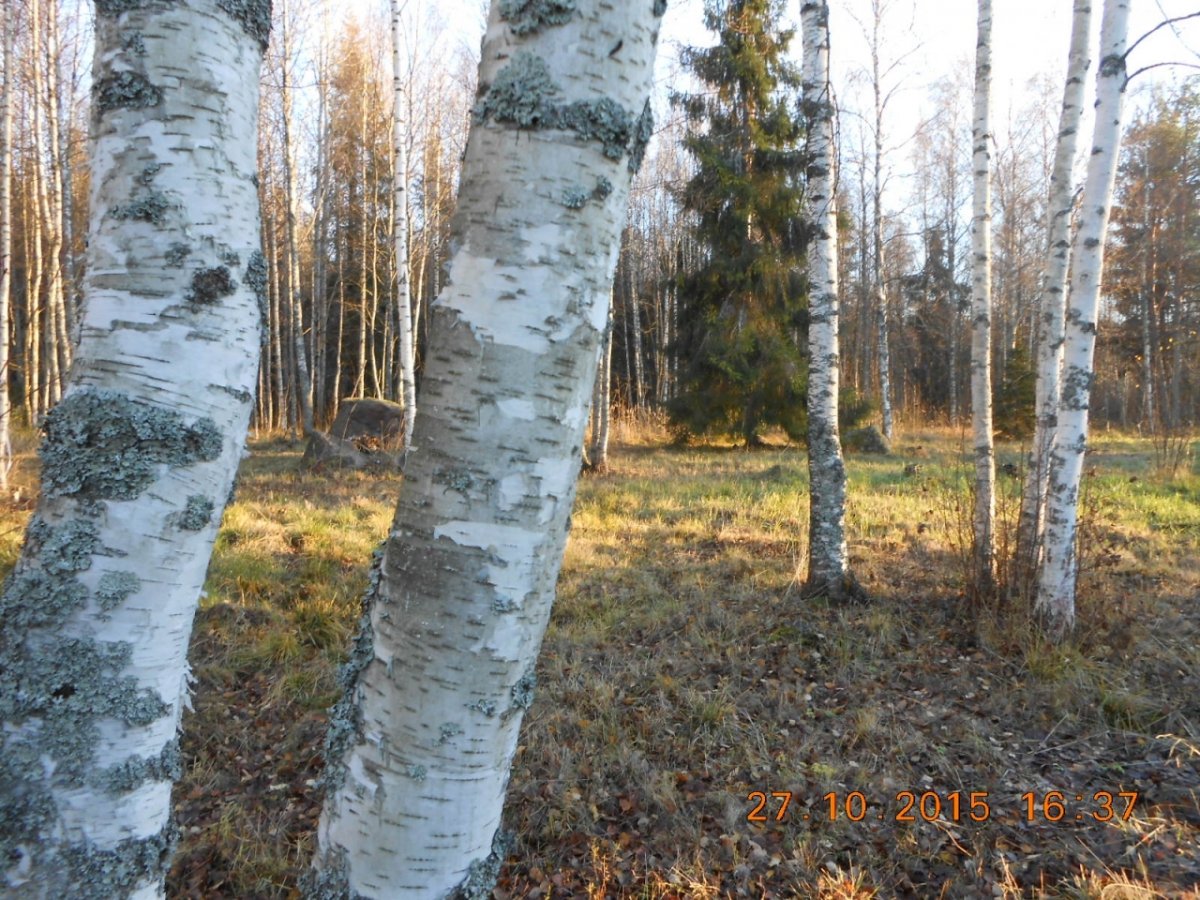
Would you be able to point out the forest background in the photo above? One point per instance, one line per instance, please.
(325, 151)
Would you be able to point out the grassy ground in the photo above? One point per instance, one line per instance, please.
(682, 673)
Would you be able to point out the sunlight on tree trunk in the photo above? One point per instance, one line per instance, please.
(6, 109)
(1052, 299)
(138, 458)
(443, 667)
(983, 576)
(1055, 605)
(408, 384)
(828, 567)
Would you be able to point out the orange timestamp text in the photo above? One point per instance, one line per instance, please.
(956, 806)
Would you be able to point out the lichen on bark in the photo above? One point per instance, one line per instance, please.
(125, 90)
(210, 285)
(523, 95)
(528, 16)
(102, 444)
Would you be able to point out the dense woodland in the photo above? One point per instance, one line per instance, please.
(325, 151)
(192, 244)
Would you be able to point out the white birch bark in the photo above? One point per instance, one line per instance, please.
(981, 311)
(602, 401)
(295, 302)
(1052, 299)
(137, 459)
(1055, 604)
(443, 668)
(408, 382)
(6, 109)
(828, 566)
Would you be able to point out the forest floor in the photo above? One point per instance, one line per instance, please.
(926, 745)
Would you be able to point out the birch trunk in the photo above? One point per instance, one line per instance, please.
(602, 401)
(443, 667)
(7, 71)
(295, 303)
(408, 382)
(828, 566)
(981, 313)
(137, 459)
(1055, 604)
(1052, 299)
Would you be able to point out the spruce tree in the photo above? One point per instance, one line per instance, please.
(742, 332)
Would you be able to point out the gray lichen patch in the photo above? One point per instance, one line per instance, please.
(602, 120)
(68, 688)
(329, 879)
(125, 90)
(134, 42)
(527, 16)
(196, 514)
(115, 588)
(147, 175)
(482, 873)
(137, 770)
(230, 257)
(33, 599)
(176, 255)
(102, 874)
(63, 549)
(253, 15)
(522, 691)
(487, 707)
(114, 8)
(255, 278)
(345, 719)
(523, 93)
(642, 132)
(578, 196)
(210, 285)
(101, 444)
(575, 197)
(416, 773)
(151, 207)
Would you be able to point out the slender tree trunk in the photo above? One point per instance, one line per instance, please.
(981, 313)
(137, 460)
(408, 382)
(295, 301)
(8, 72)
(1052, 299)
(880, 291)
(602, 401)
(828, 564)
(1055, 604)
(639, 372)
(435, 697)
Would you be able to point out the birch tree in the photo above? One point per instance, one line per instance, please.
(6, 110)
(1052, 298)
(981, 311)
(139, 456)
(1055, 603)
(408, 383)
(442, 669)
(828, 567)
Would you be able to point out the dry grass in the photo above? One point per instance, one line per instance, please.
(681, 672)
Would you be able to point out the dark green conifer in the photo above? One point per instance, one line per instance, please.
(743, 318)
